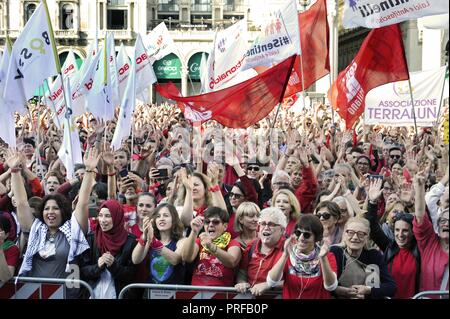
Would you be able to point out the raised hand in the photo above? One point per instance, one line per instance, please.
(91, 158)
(108, 158)
(325, 248)
(13, 158)
(213, 173)
(197, 224)
(375, 189)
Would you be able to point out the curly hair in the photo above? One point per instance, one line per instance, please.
(63, 204)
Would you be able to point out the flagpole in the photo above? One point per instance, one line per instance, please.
(333, 48)
(301, 62)
(105, 80)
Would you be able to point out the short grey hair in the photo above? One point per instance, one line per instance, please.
(280, 174)
(275, 214)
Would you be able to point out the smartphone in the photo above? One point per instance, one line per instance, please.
(123, 173)
(163, 173)
(376, 177)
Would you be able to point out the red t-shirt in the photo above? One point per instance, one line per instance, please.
(230, 227)
(404, 271)
(129, 212)
(259, 265)
(210, 271)
(298, 287)
(290, 227)
(12, 256)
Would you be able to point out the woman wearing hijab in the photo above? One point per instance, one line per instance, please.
(107, 266)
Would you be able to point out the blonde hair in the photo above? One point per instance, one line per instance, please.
(244, 209)
(293, 201)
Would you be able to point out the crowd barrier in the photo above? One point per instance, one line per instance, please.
(432, 294)
(157, 291)
(40, 288)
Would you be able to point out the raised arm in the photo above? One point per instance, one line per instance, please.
(419, 188)
(81, 211)
(26, 218)
(188, 206)
(190, 249)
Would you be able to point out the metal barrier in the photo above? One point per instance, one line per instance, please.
(159, 291)
(40, 288)
(427, 294)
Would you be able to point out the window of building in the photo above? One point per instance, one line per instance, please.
(29, 10)
(117, 19)
(66, 16)
(202, 6)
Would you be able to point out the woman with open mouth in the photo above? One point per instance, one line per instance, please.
(308, 270)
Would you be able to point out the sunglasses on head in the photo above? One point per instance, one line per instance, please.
(399, 215)
(324, 216)
(235, 195)
(299, 232)
(215, 222)
(253, 168)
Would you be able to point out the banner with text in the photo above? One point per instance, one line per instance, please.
(390, 104)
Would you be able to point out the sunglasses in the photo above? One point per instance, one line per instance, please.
(306, 234)
(253, 168)
(395, 156)
(235, 195)
(399, 215)
(268, 224)
(352, 233)
(215, 222)
(324, 216)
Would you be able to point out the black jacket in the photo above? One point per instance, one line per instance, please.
(122, 270)
(388, 246)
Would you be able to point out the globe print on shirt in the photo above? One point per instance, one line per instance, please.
(160, 269)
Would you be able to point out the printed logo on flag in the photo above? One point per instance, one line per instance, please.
(221, 45)
(402, 88)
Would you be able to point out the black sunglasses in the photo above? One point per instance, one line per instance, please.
(395, 156)
(299, 232)
(253, 168)
(235, 195)
(325, 216)
(215, 222)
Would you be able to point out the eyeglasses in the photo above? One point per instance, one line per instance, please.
(395, 156)
(235, 195)
(325, 216)
(442, 221)
(253, 168)
(399, 215)
(363, 163)
(268, 224)
(215, 222)
(352, 233)
(299, 232)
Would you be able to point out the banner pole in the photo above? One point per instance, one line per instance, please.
(412, 106)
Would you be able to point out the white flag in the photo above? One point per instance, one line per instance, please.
(230, 48)
(32, 60)
(145, 76)
(439, 21)
(159, 43)
(7, 121)
(204, 67)
(390, 104)
(279, 38)
(70, 150)
(376, 14)
(123, 69)
(70, 66)
(113, 70)
(55, 98)
(125, 120)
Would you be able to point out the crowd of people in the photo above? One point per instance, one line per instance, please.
(295, 205)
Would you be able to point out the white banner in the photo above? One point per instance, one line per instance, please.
(70, 66)
(159, 43)
(123, 68)
(32, 60)
(379, 13)
(278, 40)
(390, 104)
(145, 76)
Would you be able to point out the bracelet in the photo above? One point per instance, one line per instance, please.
(214, 189)
(156, 244)
(141, 242)
(90, 171)
(15, 170)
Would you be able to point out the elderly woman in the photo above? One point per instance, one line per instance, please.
(362, 272)
(215, 253)
(401, 254)
(433, 247)
(309, 271)
(286, 201)
(262, 253)
(246, 223)
(329, 215)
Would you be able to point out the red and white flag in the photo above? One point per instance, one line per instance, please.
(123, 68)
(380, 60)
(159, 43)
(238, 106)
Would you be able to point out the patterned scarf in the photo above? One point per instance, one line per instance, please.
(305, 265)
(221, 242)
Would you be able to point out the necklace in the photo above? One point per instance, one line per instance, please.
(51, 238)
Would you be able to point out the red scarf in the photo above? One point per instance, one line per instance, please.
(112, 240)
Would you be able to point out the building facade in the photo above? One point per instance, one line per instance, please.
(192, 24)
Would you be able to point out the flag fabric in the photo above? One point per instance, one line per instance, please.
(32, 60)
(123, 128)
(114, 77)
(159, 43)
(279, 38)
(376, 14)
(145, 75)
(207, 70)
(230, 49)
(380, 60)
(7, 121)
(70, 151)
(390, 104)
(55, 98)
(238, 106)
(123, 69)
(314, 37)
(70, 66)
(435, 22)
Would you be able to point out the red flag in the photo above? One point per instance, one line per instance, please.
(240, 105)
(314, 37)
(380, 60)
